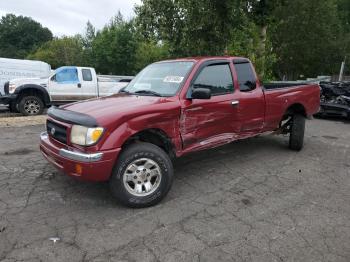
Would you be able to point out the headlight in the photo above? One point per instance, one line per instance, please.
(85, 136)
(12, 88)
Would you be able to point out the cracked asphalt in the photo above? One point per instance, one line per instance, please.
(252, 200)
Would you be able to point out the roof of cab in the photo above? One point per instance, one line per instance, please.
(204, 58)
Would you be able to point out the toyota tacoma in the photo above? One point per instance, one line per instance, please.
(171, 108)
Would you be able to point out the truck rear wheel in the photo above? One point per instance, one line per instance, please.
(142, 176)
(31, 105)
(297, 130)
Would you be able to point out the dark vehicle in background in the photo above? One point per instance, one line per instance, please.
(335, 99)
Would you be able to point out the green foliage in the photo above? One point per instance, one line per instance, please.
(20, 35)
(148, 52)
(190, 27)
(61, 51)
(245, 42)
(284, 39)
(114, 48)
(344, 14)
(307, 40)
(87, 42)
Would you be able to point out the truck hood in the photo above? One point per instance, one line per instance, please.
(119, 108)
(24, 81)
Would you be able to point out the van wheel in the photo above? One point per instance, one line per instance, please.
(142, 176)
(31, 105)
(297, 130)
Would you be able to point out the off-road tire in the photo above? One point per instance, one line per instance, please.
(22, 106)
(129, 155)
(297, 130)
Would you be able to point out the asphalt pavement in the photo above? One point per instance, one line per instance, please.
(252, 200)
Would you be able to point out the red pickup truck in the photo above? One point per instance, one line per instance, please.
(171, 108)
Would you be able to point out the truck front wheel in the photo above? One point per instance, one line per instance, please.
(297, 129)
(142, 176)
(31, 105)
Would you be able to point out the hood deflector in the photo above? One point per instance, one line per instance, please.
(72, 117)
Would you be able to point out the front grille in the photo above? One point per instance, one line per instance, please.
(6, 88)
(59, 133)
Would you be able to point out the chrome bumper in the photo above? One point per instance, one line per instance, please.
(76, 156)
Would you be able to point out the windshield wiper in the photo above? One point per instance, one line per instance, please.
(124, 91)
(150, 92)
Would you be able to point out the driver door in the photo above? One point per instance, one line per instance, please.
(65, 86)
(211, 122)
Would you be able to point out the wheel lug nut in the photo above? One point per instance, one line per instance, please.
(144, 170)
(139, 182)
(148, 174)
(135, 177)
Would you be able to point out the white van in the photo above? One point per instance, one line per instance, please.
(17, 68)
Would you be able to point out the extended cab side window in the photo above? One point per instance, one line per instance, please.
(87, 76)
(246, 76)
(217, 78)
(67, 75)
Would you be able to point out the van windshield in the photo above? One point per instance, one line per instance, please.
(160, 79)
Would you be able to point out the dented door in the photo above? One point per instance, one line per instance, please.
(210, 122)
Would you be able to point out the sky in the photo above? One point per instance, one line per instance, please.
(69, 17)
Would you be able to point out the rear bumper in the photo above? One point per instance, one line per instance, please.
(89, 167)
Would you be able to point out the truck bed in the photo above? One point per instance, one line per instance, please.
(279, 97)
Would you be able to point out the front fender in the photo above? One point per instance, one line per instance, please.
(45, 94)
(167, 123)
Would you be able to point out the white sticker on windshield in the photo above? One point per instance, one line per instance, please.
(173, 79)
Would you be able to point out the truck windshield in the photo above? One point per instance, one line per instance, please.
(160, 79)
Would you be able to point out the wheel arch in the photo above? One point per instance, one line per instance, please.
(154, 136)
(34, 90)
(296, 108)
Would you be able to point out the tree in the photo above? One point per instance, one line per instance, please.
(87, 40)
(148, 52)
(307, 40)
(261, 12)
(246, 42)
(21, 35)
(189, 27)
(344, 16)
(61, 51)
(114, 47)
(90, 34)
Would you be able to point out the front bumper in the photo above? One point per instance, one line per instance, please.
(90, 167)
(7, 99)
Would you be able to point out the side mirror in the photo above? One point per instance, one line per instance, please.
(201, 93)
(53, 78)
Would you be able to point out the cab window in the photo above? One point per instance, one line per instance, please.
(87, 76)
(246, 77)
(67, 75)
(217, 78)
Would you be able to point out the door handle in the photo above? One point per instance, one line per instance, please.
(235, 103)
(79, 85)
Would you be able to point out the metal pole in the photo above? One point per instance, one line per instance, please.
(342, 70)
